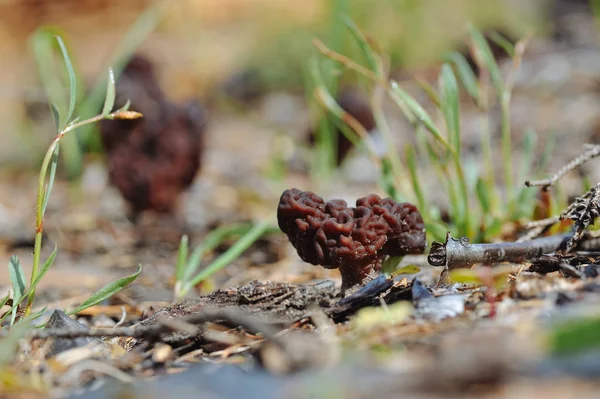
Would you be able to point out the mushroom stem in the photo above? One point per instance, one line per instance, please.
(353, 274)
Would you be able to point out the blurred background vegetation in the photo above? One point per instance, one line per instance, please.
(201, 45)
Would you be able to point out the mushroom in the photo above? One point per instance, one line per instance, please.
(154, 159)
(355, 240)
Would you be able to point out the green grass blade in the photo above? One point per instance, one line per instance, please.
(546, 155)
(35, 315)
(327, 101)
(526, 196)
(51, 178)
(430, 91)
(450, 105)
(325, 133)
(106, 292)
(336, 40)
(436, 231)
(4, 300)
(484, 53)
(451, 110)
(109, 100)
(55, 116)
(400, 96)
(503, 42)
(72, 79)
(44, 269)
(465, 74)
(488, 159)
(528, 151)
(42, 42)
(362, 42)
(390, 151)
(17, 280)
(483, 195)
(125, 107)
(210, 242)
(416, 184)
(387, 180)
(230, 255)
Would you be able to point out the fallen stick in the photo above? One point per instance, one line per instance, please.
(460, 253)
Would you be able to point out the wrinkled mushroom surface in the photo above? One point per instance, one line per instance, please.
(353, 239)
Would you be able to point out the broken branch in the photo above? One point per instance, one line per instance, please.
(459, 253)
(591, 151)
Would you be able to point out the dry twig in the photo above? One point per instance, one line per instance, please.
(591, 151)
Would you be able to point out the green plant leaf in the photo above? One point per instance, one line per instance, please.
(450, 105)
(325, 133)
(44, 269)
(387, 180)
(416, 184)
(528, 150)
(72, 78)
(106, 292)
(230, 255)
(125, 107)
(4, 300)
(436, 230)
(465, 276)
(465, 74)
(402, 97)
(342, 117)
(55, 116)
(42, 42)
(362, 42)
(389, 265)
(408, 269)
(526, 196)
(484, 53)
(210, 242)
(51, 178)
(430, 91)
(503, 42)
(17, 279)
(109, 100)
(483, 195)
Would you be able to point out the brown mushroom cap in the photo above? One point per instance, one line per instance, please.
(355, 240)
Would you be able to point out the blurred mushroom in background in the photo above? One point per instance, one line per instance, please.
(152, 160)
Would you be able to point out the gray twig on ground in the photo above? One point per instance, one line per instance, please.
(458, 253)
(591, 151)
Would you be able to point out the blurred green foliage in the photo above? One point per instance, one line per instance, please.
(413, 32)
